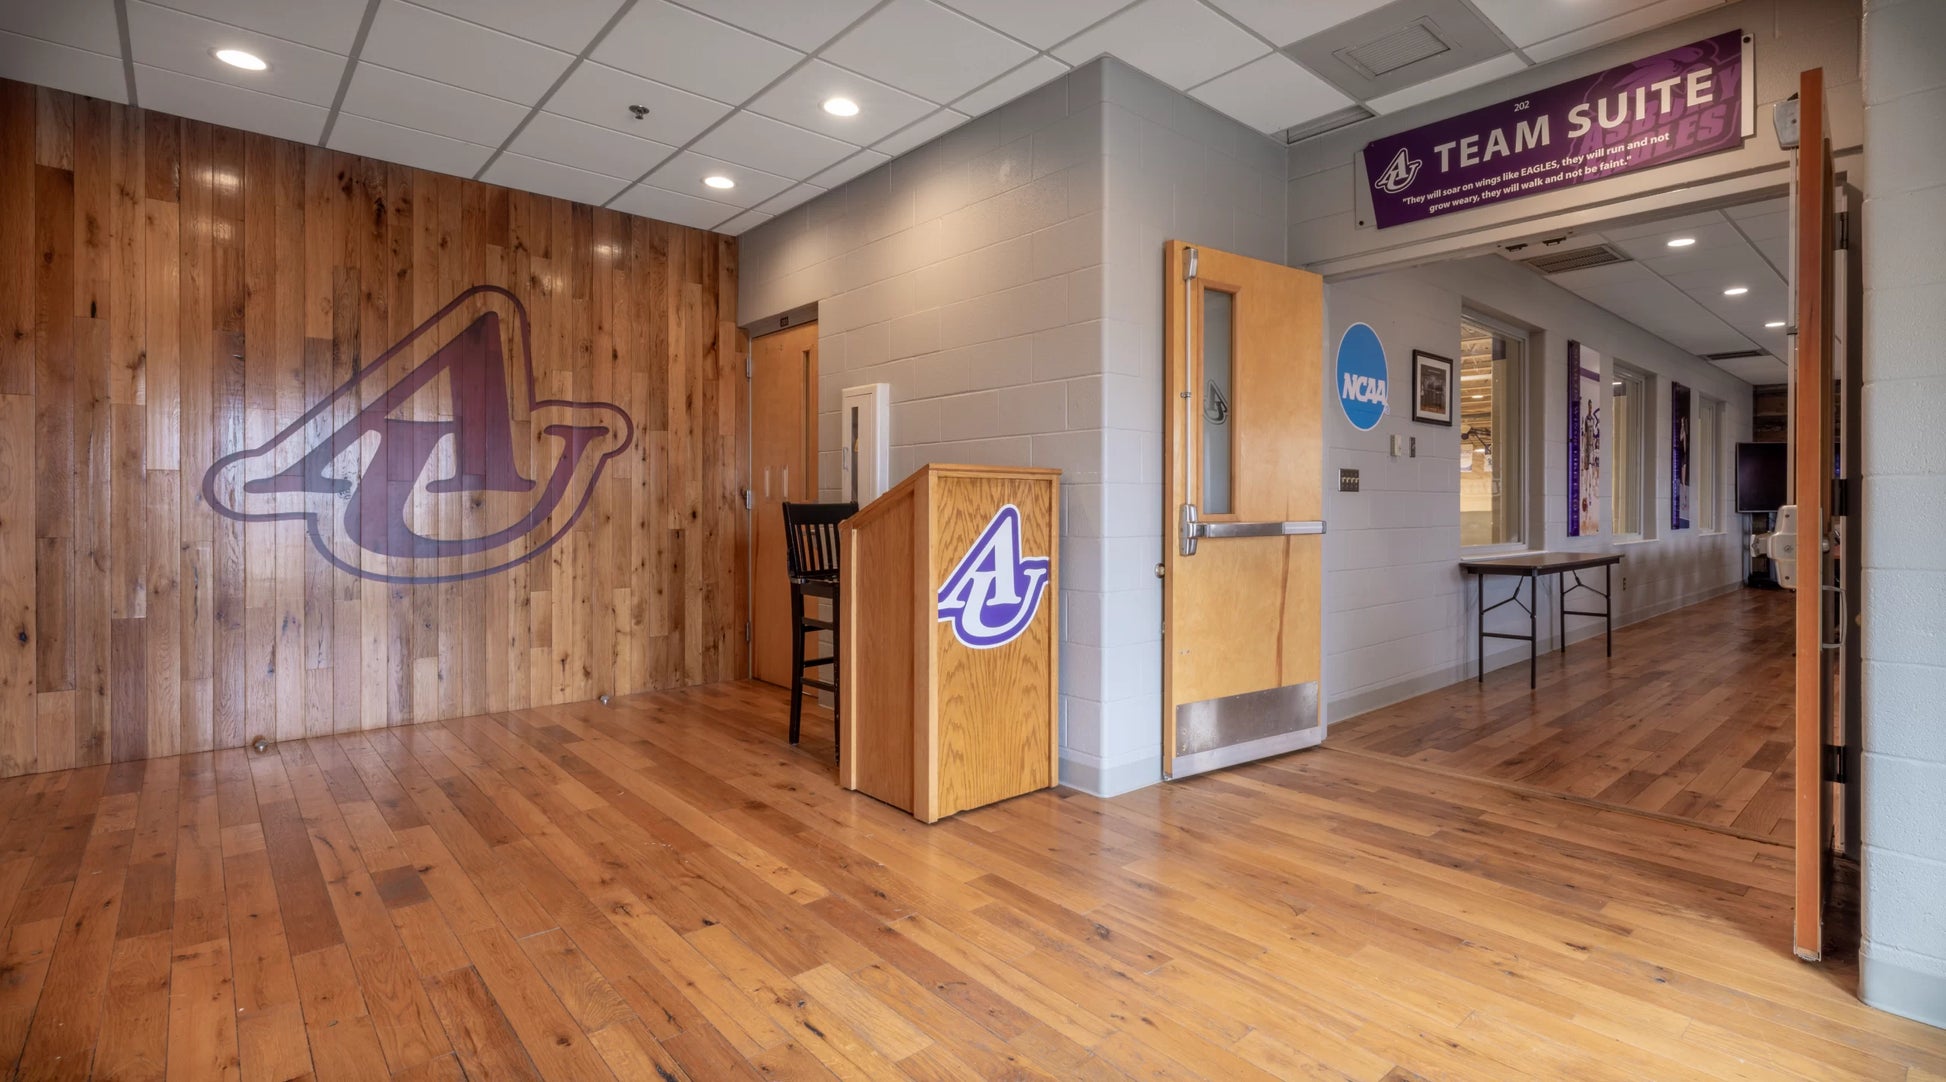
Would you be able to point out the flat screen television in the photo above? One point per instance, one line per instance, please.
(1763, 477)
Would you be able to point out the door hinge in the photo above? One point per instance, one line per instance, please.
(749, 365)
(1844, 231)
(749, 500)
(746, 631)
(1189, 265)
(1834, 764)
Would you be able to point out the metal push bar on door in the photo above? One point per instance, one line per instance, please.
(1194, 530)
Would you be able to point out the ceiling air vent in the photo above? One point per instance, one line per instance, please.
(1408, 44)
(1329, 122)
(1598, 255)
(1735, 355)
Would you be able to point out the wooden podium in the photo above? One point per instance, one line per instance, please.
(949, 618)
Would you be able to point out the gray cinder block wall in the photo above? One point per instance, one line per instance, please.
(1902, 963)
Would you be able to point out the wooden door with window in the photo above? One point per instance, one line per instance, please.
(1243, 559)
(783, 467)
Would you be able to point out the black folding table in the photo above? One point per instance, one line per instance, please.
(1531, 566)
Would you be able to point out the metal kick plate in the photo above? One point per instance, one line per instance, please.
(1253, 715)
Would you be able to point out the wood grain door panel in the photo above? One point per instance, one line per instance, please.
(783, 379)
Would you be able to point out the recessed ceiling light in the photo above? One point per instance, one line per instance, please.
(237, 58)
(1736, 291)
(719, 182)
(1681, 242)
(841, 107)
(1774, 324)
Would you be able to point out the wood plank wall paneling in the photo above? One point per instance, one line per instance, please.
(173, 292)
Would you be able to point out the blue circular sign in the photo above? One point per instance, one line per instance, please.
(1361, 377)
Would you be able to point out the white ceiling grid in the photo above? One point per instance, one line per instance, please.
(536, 95)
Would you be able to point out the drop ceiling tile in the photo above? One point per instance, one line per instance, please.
(1284, 22)
(547, 178)
(685, 173)
(77, 71)
(749, 219)
(1779, 205)
(407, 146)
(762, 143)
(1452, 82)
(406, 37)
(1709, 237)
(1640, 18)
(568, 25)
(186, 44)
(598, 94)
(88, 26)
(1180, 42)
(799, 100)
(1271, 93)
(331, 27)
(1775, 250)
(1724, 258)
(1526, 22)
(1037, 22)
(1666, 227)
(1611, 276)
(801, 194)
(569, 142)
(673, 45)
(651, 202)
(855, 166)
(924, 49)
(1029, 76)
(1765, 226)
(1756, 370)
(221, 103)
(395, 97)
(803, 24)
(924, 131)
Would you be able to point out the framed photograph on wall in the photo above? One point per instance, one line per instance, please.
(1432, 388)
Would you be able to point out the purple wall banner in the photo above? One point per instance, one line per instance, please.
(1678, 104)
(1678, 457)
(1584, 440)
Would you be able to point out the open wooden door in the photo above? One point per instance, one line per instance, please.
(1243, 562)
(1812, 437)
(783, 464)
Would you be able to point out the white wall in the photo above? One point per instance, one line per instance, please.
(1175, 170)
(1902, 963)
(967, 274)
(1791, 35)
(1399, 616)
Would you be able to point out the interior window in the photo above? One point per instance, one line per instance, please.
(1629, 413)
(1492, 434)
(1706, 465)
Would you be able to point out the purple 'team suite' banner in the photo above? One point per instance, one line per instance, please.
(1678, 104)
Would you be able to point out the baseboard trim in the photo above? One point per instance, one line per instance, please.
(1091, 776)
(1902, 990)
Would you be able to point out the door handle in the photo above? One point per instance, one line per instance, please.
(1193, 530)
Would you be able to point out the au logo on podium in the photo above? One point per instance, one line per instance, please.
(994, 592)
(436, 462)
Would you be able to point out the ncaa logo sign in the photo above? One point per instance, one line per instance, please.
(1361, 377)
(994, 592)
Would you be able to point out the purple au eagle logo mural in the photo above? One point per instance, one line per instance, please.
(436, 462)
(993, 594)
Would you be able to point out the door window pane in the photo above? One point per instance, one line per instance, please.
(1218, 384)
(1492, 435)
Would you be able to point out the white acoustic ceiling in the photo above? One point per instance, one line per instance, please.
(1679, 293)
(536, 94)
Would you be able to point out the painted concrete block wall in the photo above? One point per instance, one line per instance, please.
(1399, 616)
(1174, 170)
(1790, 36)
(968, 275)
(1902, 963)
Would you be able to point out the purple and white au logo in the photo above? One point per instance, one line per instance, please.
(993, 594)
(438, 461)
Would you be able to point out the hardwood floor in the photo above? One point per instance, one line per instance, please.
(1691, 719)
(663, 889)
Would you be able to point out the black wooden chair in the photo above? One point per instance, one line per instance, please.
(811, 552)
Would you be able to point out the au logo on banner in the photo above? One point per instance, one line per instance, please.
(994, 592)
(435, 462)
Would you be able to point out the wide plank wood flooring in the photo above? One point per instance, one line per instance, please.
(662, 889)
(1691, 718)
